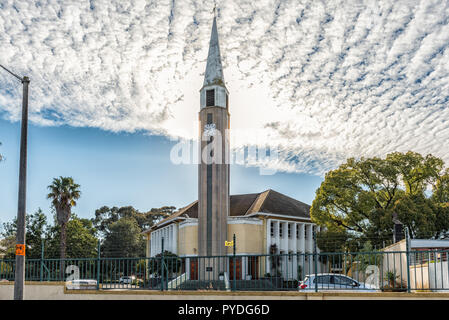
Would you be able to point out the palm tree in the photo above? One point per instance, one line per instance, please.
(63, 193)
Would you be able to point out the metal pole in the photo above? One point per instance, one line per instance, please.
(162, 264)
(98, 265)
(235, 262)
(21, 212)
(42, 261)
(407, 248)
(315, 261)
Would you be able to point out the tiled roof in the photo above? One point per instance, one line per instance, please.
(269, 201)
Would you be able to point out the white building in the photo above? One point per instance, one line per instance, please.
(258, 221)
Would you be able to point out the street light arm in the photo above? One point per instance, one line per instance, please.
(15, 75)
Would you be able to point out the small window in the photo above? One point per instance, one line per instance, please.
(289, 231)
(272, 229)
(297, 232)
(210, 98)
(281, 229)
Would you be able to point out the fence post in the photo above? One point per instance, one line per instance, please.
(42, 262)
(234, 264)
(162, 264)
(407, 248)
(315, 256)
(98, 265)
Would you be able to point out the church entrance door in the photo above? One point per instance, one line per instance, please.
(193, 269)
(238, 268)
(253, 267)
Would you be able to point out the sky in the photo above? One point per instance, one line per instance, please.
(114, 82)
(117, 169)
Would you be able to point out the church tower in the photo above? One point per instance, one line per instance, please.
(213, 169)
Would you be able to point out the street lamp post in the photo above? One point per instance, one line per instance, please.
(21, 210)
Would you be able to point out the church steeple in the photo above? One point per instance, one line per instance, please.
(213, 169)
(214, 69)
(214, 92)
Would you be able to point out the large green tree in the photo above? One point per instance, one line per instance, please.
(81, 240)
(106, 216)
(360, 199)
(81, 237)
(36, 232)
(121, 228)
(124, 239)
(63, 194)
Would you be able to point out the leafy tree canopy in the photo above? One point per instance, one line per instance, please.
(359, 200)
(124, 239)
(36, 232)
(81, 239)
(105, 217)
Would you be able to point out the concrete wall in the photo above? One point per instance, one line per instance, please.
(394, 261)
(56, 291)
(188, 240)
(432, 275)
(438, 275)
(419, 276)
(249, 238)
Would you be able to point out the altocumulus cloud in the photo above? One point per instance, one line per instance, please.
(320, 80)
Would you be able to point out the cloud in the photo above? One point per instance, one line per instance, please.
(320, 80)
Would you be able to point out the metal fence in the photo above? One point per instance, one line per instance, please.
(364, 271)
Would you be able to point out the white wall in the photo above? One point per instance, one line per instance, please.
(170, 235)
(300, 241)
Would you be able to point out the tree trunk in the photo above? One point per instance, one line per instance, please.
(63, 248)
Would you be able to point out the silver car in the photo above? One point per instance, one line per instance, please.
(332, 281)
(127, 279)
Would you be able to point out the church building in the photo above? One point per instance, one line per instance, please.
(259, 221)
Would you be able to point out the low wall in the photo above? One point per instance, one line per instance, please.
(433, 275)
(57, 291)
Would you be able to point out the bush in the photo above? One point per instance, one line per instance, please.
(137, 282)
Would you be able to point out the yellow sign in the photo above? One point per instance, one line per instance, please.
(20, 249)
(229, 243)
